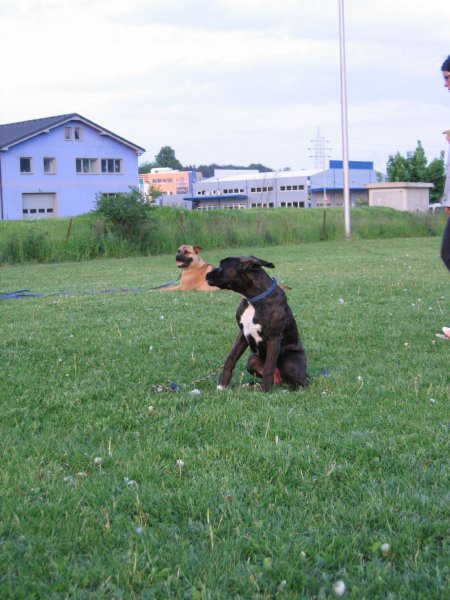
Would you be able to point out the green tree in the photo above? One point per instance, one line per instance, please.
(166, 158)
(153, 193)
(436, 175)
(208, 170)
(414, 167)
(417, 164)
(146, 167)
(398, 168)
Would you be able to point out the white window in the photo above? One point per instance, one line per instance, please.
(49, 164)
(111, 165)
(25, 164)
(72, 133)
(86, 165)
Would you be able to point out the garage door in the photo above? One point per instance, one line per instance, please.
(38, 206)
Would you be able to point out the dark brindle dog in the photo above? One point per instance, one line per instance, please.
(266, 324)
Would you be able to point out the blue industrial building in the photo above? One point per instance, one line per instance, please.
(281, 189)
(327, 186)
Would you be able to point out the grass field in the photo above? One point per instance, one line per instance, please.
(276, 495)
(89, 236)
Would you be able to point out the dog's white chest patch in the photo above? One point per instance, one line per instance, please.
(250, 328)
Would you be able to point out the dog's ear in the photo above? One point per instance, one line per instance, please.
(197, 249)
(250, 262)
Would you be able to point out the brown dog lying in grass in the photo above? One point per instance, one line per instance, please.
(193, 271)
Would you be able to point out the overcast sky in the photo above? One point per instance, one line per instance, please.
(233, 81)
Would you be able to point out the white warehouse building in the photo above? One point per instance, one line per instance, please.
(277, 189)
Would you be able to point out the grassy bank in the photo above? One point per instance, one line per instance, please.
(280, 495)
(87, 237)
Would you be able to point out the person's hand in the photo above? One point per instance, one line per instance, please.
(447, 210)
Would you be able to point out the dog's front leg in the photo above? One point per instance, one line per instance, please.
(240, 345)
(273, 351)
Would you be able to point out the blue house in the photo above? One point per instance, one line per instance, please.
(56, 166)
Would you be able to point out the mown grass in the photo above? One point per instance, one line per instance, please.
(281, 494)
(88, 236)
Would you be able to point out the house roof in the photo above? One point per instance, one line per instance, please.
(14, 133)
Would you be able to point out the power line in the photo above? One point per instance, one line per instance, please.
(319, 151)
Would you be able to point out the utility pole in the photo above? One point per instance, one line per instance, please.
(344, 123)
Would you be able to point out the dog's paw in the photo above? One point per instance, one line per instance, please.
(220, 388)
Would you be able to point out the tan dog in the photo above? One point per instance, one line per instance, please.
(194, 269)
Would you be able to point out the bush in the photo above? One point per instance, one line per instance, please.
(128, 213)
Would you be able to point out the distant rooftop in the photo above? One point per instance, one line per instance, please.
(14, 133)
(252, 175)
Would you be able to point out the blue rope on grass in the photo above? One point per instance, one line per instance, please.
(21, 294)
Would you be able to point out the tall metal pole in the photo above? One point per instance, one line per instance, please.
(344, 123)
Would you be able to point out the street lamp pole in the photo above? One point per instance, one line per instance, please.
(344, 123)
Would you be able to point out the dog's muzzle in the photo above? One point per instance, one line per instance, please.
(182, 261)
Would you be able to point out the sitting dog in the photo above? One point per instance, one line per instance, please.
(194, 270)
(266, 324)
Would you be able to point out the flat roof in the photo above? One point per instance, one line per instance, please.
(248, 176)
(397, 184)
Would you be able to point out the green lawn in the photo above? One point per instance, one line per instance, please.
(279, 495)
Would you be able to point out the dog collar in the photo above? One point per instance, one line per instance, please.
(263, 294)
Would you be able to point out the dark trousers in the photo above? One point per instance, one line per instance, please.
(445, 247)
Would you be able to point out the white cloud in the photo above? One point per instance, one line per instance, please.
(232, 80)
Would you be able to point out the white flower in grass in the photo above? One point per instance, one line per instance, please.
(180, 465)
(161, 318)
(150, 348)
(130, 482)
(341, 301)
(151, 409)
(195, 392)
(385, 548)
(139, 530)
(71, 480)
(98, 460)
(339, 588)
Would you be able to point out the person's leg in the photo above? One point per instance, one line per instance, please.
(445, 247)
